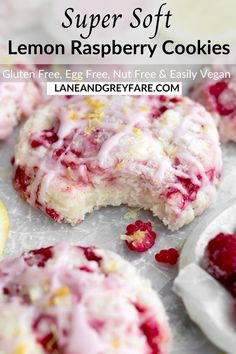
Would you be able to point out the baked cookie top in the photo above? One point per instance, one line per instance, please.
(70, 299)
(159, 153)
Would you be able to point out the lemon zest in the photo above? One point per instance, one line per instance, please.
(20, 349)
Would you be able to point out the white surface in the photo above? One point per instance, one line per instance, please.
(207, 302)
(30, 229)
(209, 305)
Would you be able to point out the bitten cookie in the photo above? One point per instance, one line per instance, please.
(74, 300)
(219, 98)
(158, 153)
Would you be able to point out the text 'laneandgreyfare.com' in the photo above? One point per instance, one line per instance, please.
(114, 88)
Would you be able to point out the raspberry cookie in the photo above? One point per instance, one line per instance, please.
(159, 153)
(219, 98)
(17, 101)
(68, 299)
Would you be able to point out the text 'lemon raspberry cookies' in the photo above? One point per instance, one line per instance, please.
(219, 98)
(72, 299)
(78, 154)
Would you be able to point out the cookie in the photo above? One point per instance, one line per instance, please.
(219, 98)
(69, 299)
(78, 154)
(17, 102)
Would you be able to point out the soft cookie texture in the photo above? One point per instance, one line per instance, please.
(74, 300)
(219, 98)
(17, 102)
(158, 153)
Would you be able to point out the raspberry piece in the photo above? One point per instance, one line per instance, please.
(38, 257)
(68, 97)
(90, 255)
(169, 256)
(151, 332)
(47, 137)
(43, 319)
(158, 111)
(73, 165)
(6, 291)
(211, 174)
(139, 236)
(216, 90)
(58, 152)
(21, 179)
(176, 99)
(76, 152)
(49, 343)
(86, 269)
(53, 214)
(140, 309)
(163, 98)
(12, 290)
(190, 187)
(42, 326)
(220, 259)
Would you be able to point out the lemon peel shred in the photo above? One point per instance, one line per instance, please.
(137, 132)
(20, 349)
(4, 226)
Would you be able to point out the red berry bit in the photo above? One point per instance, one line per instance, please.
(6, 291)
(169, 256)
(53, 214)
(220, 260)
(90, 254)
(140, 309)
(156, 112)
(21, 179)
(139, 236)
(45, 138)
(190, 187)
(49, 343)
(68, 97)
(211, 175)
(42, 326)
(38, 257)
(12, 290)
(151, 332)
(86, 269)
(161, 98)
(71, 164)
(191, 191)
(176, 99)
(216, 90)
(58, 152)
